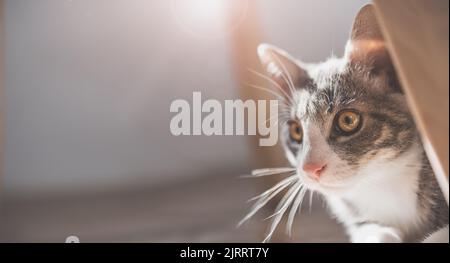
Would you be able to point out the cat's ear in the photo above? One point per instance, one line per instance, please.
(283, 69)
(366, 46)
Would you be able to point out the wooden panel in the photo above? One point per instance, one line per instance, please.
(417, 36)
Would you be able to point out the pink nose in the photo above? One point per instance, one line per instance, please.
(314, 170)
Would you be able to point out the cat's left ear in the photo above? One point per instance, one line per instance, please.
(366, 47)
(282, 68)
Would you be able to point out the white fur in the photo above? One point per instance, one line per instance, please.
(374, 233)
(387, 195)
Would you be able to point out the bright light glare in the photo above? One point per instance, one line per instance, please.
(209, 18)
(207, 10)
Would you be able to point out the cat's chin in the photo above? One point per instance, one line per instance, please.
(325, 188)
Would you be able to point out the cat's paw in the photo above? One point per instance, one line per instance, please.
(373, 233)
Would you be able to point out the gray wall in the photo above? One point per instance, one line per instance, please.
(89, 84)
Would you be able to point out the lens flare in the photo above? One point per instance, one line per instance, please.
(209, 18)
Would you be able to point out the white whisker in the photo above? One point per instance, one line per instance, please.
(282, 207)
(284, 201)
(263, 201)
(283, 182)
(272, 171)
(296, 206)
(273, 82)
(284, 72)
(311, 193)
(268, 90)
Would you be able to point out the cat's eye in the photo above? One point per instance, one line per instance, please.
(348, 121)
(295, 131)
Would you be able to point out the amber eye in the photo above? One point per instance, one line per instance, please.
(349, 121)
(295, 131)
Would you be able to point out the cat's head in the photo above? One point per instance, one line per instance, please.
(346, 116)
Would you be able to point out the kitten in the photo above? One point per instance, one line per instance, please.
(351, 137)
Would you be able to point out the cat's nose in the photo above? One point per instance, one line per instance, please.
(314, 170)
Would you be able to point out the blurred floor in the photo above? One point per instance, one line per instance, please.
(200, 210)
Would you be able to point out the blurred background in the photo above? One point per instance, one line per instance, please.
(88, 85)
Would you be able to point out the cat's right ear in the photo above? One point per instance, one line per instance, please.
(285, 71)
(367, 47)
